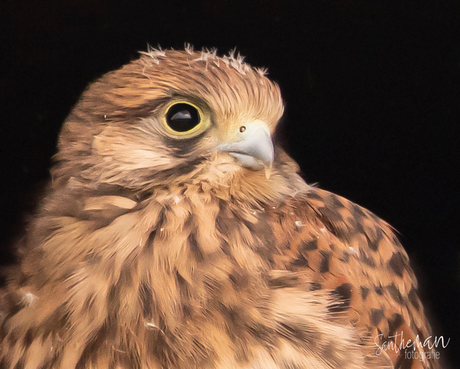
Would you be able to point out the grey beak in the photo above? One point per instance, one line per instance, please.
(253, 147)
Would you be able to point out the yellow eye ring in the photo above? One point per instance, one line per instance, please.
(183, 119)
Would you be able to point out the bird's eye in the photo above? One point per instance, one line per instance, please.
(182, 117)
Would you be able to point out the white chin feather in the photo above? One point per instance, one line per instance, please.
(247, 161)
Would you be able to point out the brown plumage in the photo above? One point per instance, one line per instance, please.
(175, 235)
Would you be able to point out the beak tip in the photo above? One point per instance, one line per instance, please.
(268, 171)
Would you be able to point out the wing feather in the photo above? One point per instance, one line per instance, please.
(339, 246)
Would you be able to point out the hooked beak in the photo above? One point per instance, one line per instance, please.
(252, 148)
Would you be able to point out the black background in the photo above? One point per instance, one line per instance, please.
(372, 91)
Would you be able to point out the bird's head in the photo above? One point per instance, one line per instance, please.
(170, 115)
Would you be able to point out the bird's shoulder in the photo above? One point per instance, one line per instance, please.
(330, 243)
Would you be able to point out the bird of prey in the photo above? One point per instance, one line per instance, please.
(176, 235)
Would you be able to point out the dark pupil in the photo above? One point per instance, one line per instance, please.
(182, 117)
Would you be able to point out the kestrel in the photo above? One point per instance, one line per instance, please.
(177, 235)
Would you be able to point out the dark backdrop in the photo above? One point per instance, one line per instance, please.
(371, 90)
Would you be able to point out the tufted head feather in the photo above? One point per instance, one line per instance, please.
(115, 134)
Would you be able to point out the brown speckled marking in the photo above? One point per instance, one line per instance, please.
(343, 294)
(397, 264)
(364, 292)
(301, 261)
(395, 321)
(376, 316)
(309, 246)
(345, 258)
(374, 242)
(395, 294)
(324, 265)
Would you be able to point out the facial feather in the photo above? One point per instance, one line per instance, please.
(114, 135)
